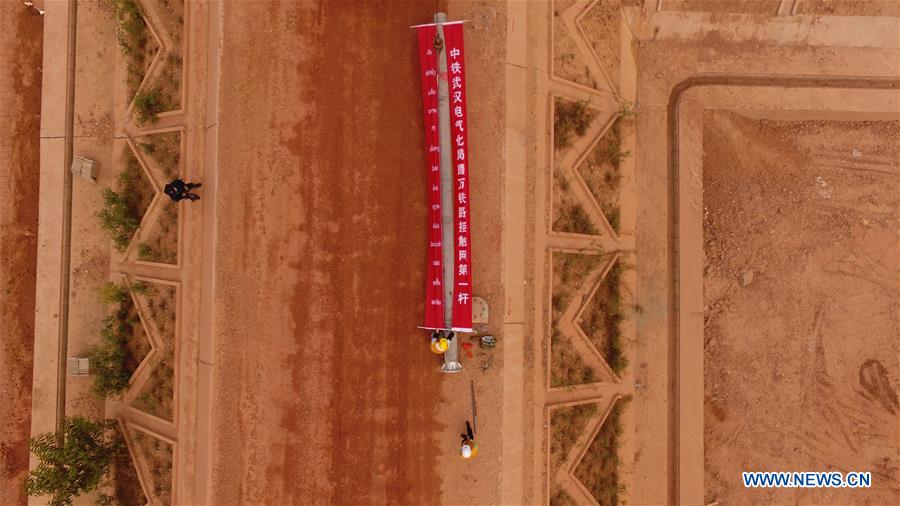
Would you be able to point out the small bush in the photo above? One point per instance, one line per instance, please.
(147, 148)
(120, 351)
(626, 110)
(612, 148)
(112, 293)
(108, 360)
(117, 219)
(613, 215)
(140, 288)
(570, 118)
(148, 105)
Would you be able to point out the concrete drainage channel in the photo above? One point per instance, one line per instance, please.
(681, 454)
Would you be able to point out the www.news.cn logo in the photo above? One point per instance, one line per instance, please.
(833, 479)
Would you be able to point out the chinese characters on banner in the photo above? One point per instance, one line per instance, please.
(462, 258)
(434, 304)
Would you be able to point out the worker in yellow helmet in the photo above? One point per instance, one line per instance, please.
(468, 449)
(439, 343)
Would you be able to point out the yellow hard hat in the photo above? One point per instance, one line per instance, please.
(439, 345)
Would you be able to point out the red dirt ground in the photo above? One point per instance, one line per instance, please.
(323, 391)
(21, 38)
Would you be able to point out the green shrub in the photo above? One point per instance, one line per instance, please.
(148, 105)
(144, 251)
(109, 359)
(112, 293)
(117, 219)
(73, 462)
(140, 287)
(147, 148)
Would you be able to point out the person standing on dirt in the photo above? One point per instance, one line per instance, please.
(468, 449)
(178, 190)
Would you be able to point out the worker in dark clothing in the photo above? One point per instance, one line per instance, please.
(178, 190)
(468, 448)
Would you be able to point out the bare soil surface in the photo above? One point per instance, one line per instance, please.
(801, 305)
(324, 390)
(850, 7)
(21, 38)
(769, 7)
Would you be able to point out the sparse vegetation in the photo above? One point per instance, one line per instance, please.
(566, 424)
(135, 41)
(161, 307)
(602, 320)
(165, 149)
(162, 244)
(158, 395)
(158, 455)
(75, 461)
(602, 175)
(126, 485)
(570, 119)
(567, 368)
(172, 17)
(148, 104)
(139, 47)
(122, 347)
(599, 469)
(122, 211)
(559, 497)
(170, 83)
(568, 214)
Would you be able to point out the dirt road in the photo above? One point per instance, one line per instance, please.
(21, 37)
(324, 392)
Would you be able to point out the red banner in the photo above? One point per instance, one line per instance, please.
(434, 305)
(462, 258)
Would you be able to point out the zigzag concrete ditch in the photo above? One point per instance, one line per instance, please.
(669, 382)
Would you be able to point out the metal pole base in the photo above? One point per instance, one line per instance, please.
(451, 366)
